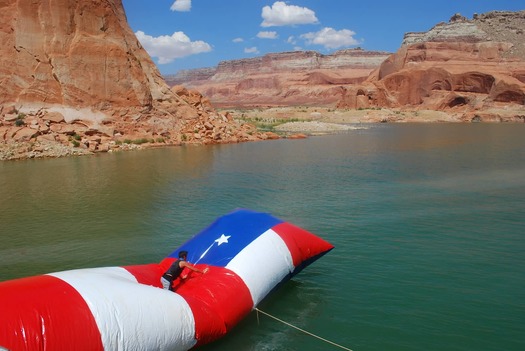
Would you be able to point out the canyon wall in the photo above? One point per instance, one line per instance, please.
(72, 72)
(288, 78)
(74, 54)
(473, 69)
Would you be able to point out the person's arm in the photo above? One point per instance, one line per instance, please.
(189, 266)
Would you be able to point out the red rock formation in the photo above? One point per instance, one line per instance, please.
(468, 68)
(289, 78)
(74, 68)
(454, 67)
(86, 48)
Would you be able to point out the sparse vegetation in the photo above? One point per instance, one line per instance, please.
(75, 139)
(140, 141)
(268, 124)
(20, 120)
(367, 108)
(135, 141)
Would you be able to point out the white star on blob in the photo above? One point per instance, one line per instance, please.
(223, 239)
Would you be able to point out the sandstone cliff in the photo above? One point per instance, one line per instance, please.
(73, 73)
(288, 78)
(474, 69)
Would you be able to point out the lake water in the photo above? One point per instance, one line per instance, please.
(428, 223)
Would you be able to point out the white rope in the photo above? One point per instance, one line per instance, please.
(302, 330)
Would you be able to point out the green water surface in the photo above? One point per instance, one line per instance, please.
(428, 223)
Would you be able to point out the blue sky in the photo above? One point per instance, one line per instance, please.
(186, 34)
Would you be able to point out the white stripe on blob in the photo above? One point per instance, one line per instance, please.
(263, 264)
(133, 316)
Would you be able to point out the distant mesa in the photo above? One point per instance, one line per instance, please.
(287, 78)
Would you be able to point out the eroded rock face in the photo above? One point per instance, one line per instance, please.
(467, 67)
(288, 78)
(72, 72)
(74, 53)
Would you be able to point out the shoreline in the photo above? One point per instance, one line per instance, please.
(343, 116)
(286, 122)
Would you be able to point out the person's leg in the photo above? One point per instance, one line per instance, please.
(166, 284)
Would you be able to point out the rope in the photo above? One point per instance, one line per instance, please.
(302, 330)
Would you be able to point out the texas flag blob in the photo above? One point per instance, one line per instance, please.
(125, 308)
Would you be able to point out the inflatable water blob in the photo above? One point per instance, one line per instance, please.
(247, 255)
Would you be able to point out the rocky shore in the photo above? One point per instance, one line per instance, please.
(49, 149)
(44, 133)
(286, 122)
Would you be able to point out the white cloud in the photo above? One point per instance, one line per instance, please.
(331, 38)
(252, 50)
(167, 48)
(281, 14)
(181, 5)
(291, 40)
(238, 40)
(267, 35)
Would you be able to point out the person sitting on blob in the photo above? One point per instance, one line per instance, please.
(176, 269)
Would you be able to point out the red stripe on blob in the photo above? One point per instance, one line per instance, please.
(219, 300)
(302, 244)
(58, 319)
(148, 274)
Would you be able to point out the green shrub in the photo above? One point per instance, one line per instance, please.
(140, 141)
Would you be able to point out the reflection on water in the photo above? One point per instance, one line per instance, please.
(427, 221)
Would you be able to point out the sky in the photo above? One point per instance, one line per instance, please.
(188, 34)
